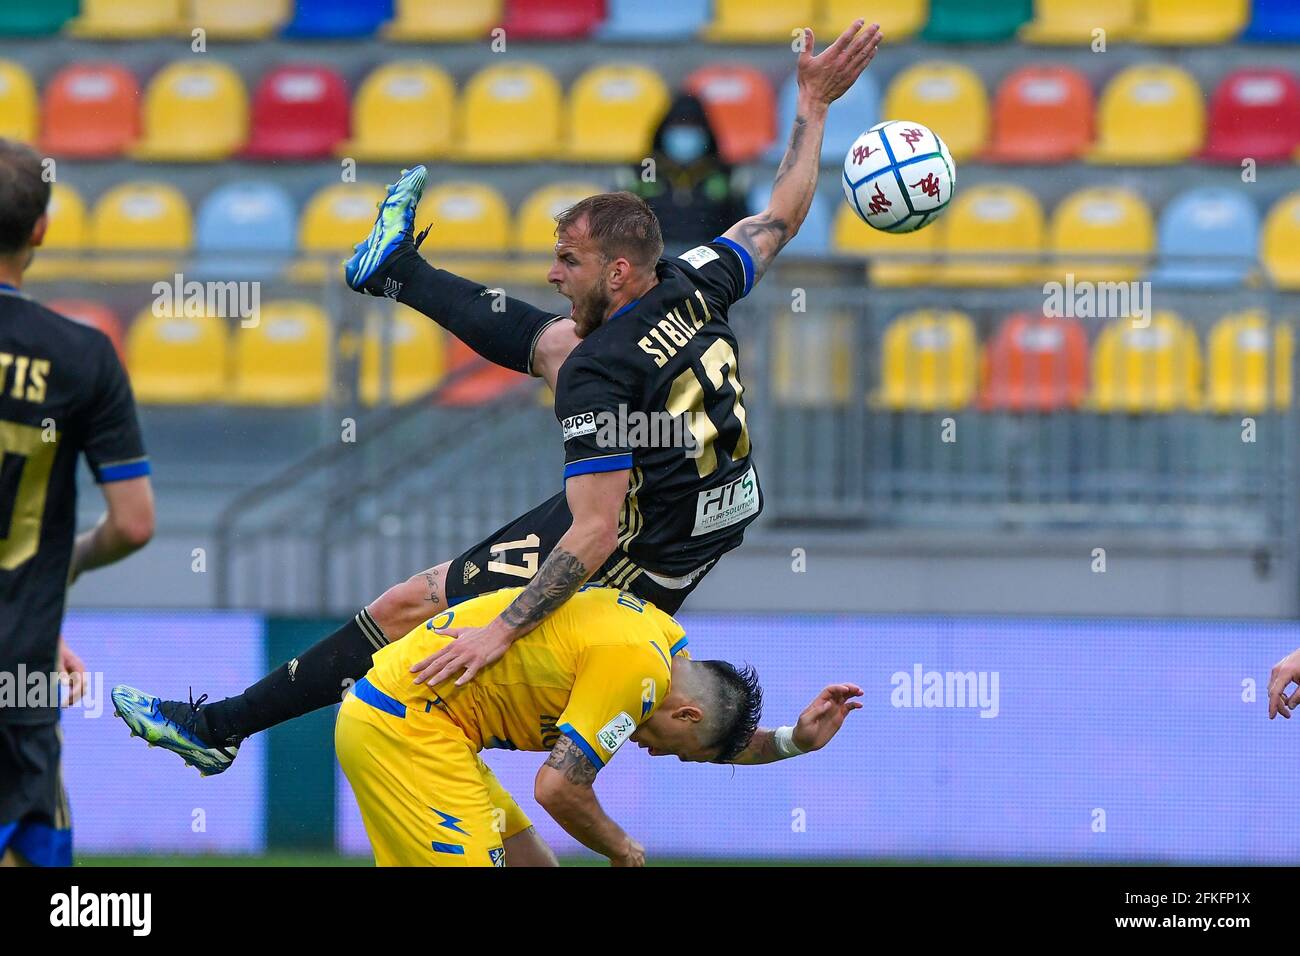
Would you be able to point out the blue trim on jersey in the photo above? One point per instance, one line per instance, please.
(625, 308)
(449, 848)
(677, 647)
(132, 469)
(588, 749)
(38, 843)
(746, 262)
(593, 466)
(6, 287)
(376, 698)
(453, 601)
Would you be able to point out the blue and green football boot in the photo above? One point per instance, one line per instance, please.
(170, 724)
(393, 233)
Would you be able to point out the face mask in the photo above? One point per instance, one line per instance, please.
(685, 144)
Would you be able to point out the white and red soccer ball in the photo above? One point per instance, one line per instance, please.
(898, 176)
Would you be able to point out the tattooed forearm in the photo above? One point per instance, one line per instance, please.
(792, 151)
(434, 594)
(557, 580)
(568, 758)
(761, 749)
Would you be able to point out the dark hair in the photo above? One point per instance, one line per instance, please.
(621, 224)
(24, 195)
(739, 700)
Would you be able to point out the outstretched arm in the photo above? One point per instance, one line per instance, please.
(822, 80)
(820, 721)
(564, 790)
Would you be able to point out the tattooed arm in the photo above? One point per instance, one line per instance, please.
(564, 790)
(822, 80)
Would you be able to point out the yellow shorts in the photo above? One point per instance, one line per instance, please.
(426, 797)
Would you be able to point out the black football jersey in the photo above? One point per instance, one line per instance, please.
(62, 392)
(658, 389)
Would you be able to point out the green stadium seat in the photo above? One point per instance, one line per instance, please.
(976, 21)
(36, 19)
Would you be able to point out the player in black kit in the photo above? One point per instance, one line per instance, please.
(63, 392)
(647, 342)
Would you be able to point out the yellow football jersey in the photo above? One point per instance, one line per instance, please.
(595, 669)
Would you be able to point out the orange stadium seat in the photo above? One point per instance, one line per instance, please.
(1102, 234)
(907, 259)
(416, 356)
(284, 359)
(898, 19)
(136, 219)
(1071, 22)
(510, 113)
(194, 112)
(1183, 22)
(479, 387)
(1254, 112)
(1149, 114)
(929, 362)
(238, 19)
(299, 112)
(97, 316)
(760, 21)
(1156, 368)
(127, 19)
(432, 21)
(403, 113)
(613, 113)
(946, 96)
(992, 236)
(91, 111)
(18, 105)
(741, 106)
(548, 20)
(1240, 376)
(535, 222)
(1036, 363)
(1042, 114)
(1280, 243)
(178, 360)
(67, 235)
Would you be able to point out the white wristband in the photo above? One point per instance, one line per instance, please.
(783, 737)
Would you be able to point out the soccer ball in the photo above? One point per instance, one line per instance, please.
(898, 176)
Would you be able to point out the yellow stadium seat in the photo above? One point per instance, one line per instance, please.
(1156, 368)
(335, 219)
(1239, 373)
(403, 112)
(284, 359)
(123, 19)
(424, 21)
(510, 113)
(1280, 244)
(134, 222)
(1149, 114)
(238, 19)
(929, 362)
(945, 96)
(67, 235)
(898, 19)
(177, 360)
(613, 113)
(1182, 22)
(535, 222)
(466, 217)
(1072, 22)
(757, 21)
(992, 236)
(812, 359)
(1100, 235)
(893, 260)
(19, 108)
(416, 356)
(194, 112)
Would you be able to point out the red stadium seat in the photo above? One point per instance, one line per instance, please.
(91, 111)
(94, 315)
(479, 387)
(1035, 363)
(548, 20)
(741, 107)
(1254, 112)
(299, 112)
(1042, 114)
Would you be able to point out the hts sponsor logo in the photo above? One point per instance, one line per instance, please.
(43, 689)
(963, 689)
(74, 908)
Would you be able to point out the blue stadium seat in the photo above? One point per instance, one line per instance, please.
(1207, 222)
(338, 18)
(672, 20)
(1274, 21)
(850, 116)
(815, 233)
(243, 228)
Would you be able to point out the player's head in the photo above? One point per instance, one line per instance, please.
(605, 244)
(710, 713)
(24, 196)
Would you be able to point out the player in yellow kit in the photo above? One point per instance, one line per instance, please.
(605, 668)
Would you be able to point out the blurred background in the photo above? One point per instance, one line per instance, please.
(1092, 513)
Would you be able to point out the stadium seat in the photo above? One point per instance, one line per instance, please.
(673, 20)
(90, 111)
(335, 219)
(1280, 245)
(1102, 234)
(741, 107)
(1273, 21)
(68, 234)
(535, 221)
(1035, 363)
(1071, 22)
(899, 19)
(402, 113)
(416, 356)
(1254, 112)
(984, 227)
(477, 387)
(1149, 114)
(299, 112)
(194, 112)
(1183, 22)
(97, 316)
(946, 96)
(337, 19)
(613, 113)
(246, 229)
(126, 19)
(18, 106)
(929, 362)
(1151, 369)
(466, 217)
(1239, 372)
(759, 21)
(812, 359)
(1208, 238)
(178, 360)
(814, 236)
(857, 110)
(283, 360)
(238, 19)
(976, 21)
(443, 21)
(36, 19)
(1042, 114)
(908, 259)
(510, 113)
(548, 20)
(137, 218)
